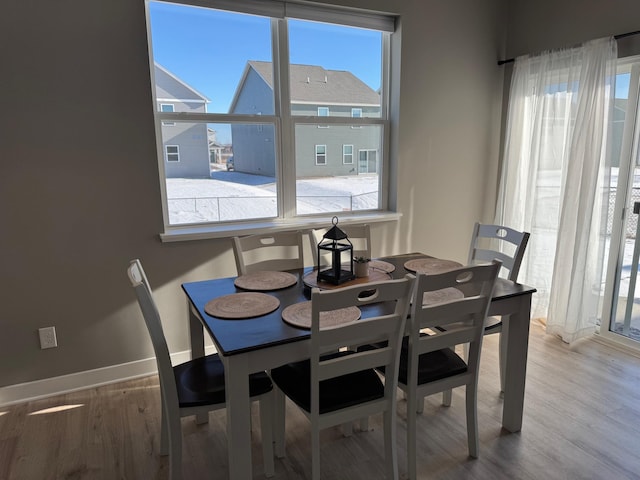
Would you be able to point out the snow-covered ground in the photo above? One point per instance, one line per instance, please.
(236, 196)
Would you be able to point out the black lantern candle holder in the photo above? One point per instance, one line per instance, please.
(339, 268)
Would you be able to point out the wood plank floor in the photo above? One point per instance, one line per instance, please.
(582, 421)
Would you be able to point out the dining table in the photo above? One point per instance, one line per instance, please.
(265, 341)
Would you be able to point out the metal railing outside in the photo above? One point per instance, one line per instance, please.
(219, 209)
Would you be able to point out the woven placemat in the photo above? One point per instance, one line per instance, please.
(381, 265)
(441, 296)
(264, 281)
(299, 315)
(431, 265)
(242, 305)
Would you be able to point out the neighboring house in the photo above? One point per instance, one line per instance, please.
(321, 150)
(185, 145)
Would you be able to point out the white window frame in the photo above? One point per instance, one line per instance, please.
(173, 109)
(167, 153)
(323, 115)
(284, 123)
(345, 154)
(323, 154)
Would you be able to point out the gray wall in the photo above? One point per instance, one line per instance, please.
(79, 187)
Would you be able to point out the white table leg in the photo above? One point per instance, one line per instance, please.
(516, 364)
(196, 336)
(238, 416)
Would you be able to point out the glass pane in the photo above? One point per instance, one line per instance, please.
(220, 178)
(626, 313)
(201, 56)
(336, 67)
(336, 185)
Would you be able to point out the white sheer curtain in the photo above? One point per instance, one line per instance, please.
(555, 178)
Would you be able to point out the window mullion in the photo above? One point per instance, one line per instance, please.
(282, 98)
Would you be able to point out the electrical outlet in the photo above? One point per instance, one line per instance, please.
(48, 337)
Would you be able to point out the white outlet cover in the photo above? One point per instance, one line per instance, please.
(48, 337)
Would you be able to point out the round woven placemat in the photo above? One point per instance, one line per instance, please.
(441, 296)
(381, 265)
(299, 315)
(242, 305)
(264, 281)
(431, 265)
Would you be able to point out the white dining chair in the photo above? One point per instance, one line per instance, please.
(497, 242)
(336, 386)
(194, 387)
(428, 362)
(273, 251)
(359, 236)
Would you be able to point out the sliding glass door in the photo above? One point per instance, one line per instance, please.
(621, 308)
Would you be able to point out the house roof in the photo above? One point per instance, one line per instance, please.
(317, 85)
(169, 86)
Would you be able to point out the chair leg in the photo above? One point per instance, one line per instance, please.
(504, 334)
(390, 444)
(472, 419)
(279, 405)
(164, 433)
(315, 451)
(446, 397)
(266, 430)
(364, 424)
(175, 446)
(202, 418)
(412, 407)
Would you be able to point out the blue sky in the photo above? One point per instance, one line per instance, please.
(208, 49)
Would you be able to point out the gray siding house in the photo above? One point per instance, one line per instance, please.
(185, 145)
(321, 150)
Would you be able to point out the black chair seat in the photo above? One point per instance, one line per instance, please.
(294, 380)
(201, 382)
(431, 367)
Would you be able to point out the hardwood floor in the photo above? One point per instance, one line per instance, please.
(582, 421)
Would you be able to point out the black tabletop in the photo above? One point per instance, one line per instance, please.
(238, 336)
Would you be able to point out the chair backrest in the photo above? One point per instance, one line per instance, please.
(274, 251)
(381, 328)
(453, 321)
(359, 236)
(495, 242)
(154, 326)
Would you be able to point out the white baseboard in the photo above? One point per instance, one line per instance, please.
(24, 392)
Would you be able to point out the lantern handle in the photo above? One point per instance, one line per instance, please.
(334, 220)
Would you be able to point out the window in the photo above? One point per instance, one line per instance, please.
(321, 154)
(167, 108)
(356, 113)
(265, 106)
(368, 161)
(172, 153)
(347, 154)
(323, 112)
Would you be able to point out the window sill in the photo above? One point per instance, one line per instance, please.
(187, 233)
